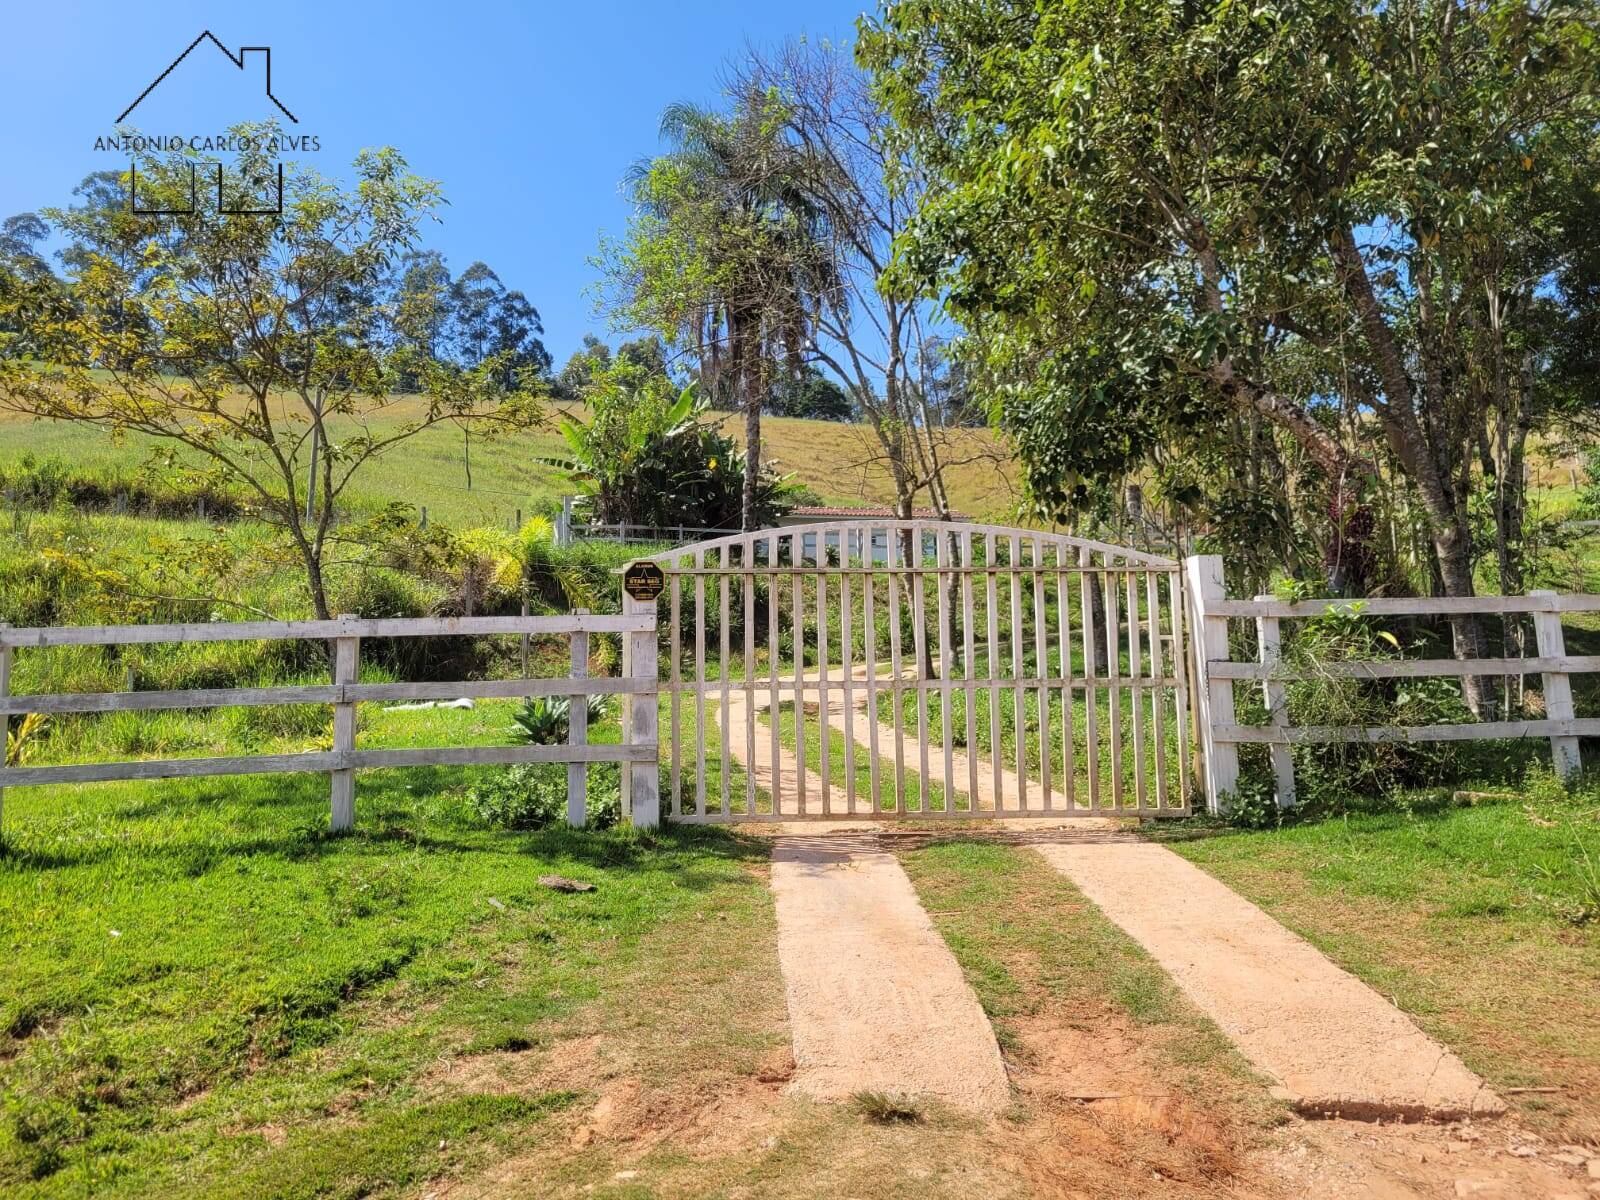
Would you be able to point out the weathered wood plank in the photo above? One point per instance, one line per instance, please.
(946, 668)
(1091, 713)
(1041, 663)
(1388, 606)
(1018, 703)
(1549, 639)
(1465, 732)
(346, 671)
(969, 693)
(1412, 668)
(578, 735)
(265, 631)
(1269, 642)
(675, 587)
(318, 693)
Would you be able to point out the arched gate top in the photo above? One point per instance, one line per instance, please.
(758, 545)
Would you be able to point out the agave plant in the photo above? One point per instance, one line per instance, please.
(542, 720)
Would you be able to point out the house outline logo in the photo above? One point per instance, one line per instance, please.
(236, 59)
(136, 143)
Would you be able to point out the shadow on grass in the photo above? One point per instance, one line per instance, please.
(397, 812)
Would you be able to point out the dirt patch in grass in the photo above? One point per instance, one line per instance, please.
(1099, 1118)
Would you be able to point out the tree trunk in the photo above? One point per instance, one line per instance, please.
(1447, 517)
(319, 589)
(752, 457)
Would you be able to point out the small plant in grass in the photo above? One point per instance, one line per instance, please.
(888, 1108)
(542, 720)
(1254, 805)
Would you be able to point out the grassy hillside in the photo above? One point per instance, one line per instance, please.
(836, 461)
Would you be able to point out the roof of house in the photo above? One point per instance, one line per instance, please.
(868, 512)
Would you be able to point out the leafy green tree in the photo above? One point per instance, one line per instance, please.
(255, 343)
(812, 395)
(1140, 212)
(487, 321)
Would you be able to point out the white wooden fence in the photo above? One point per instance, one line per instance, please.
(1221, 734)
(344, 692)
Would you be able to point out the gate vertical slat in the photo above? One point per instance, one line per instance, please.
(825, 747)
(969, 696)
(946, 668)
(1091, 690)
(747, 584)
(1180, 668)
(774, 712)
(1136, 698)
(894, 553)
(992, 596)
(701, 806)
(797, 614)
(1108, 591)
(1158, 691)
(676, 659)
(724, 634)
(847, 653)
(1041, 669)
(919, 642)
(1019, 733)
(1069, 766)
(869, 646)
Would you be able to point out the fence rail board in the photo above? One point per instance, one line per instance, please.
(23, 637)
(1222, 734)
(344, 693)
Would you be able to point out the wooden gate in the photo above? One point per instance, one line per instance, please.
(904, 669)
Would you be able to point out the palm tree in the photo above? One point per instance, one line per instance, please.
(731, 197)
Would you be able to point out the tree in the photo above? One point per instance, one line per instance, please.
(486, 321)
(810, 394)
(871, 340)
(1144, 214)
(724, 256)
(252, 341)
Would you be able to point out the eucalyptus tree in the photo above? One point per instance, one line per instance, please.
(724, 256)
(1138, 210)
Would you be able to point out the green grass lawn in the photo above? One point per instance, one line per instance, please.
(204, 992)
(1482, 920)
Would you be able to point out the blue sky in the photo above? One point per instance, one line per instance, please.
(528, 113)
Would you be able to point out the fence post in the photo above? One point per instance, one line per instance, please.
(1214, 697)
(1557, 688)
(578, 732)
(1270, 640)
(346, 671)
(641, 781)
(5, 718)
(564, 523)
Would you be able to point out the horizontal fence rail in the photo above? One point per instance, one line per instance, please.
(343, 694)
(1222, 734)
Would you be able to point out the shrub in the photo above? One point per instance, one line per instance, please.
(378, 592)
(534, 795)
